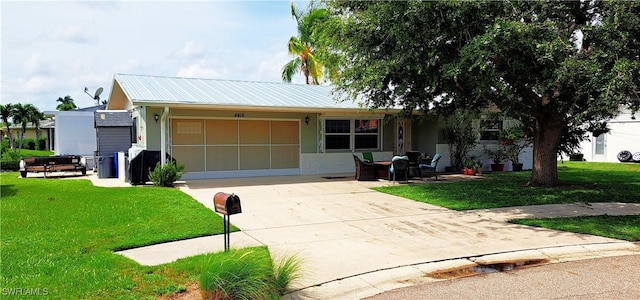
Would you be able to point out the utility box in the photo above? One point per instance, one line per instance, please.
(227, 204)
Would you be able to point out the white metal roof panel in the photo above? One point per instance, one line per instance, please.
(144, 88)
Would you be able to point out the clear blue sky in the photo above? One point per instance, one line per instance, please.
(51, 49)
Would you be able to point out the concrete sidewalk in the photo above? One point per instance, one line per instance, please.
(355, 242)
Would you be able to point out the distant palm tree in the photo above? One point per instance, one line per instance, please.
(66, 103)
(7, 112)
(302, 46)
(25, 114)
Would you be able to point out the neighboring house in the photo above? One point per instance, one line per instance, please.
(624, 135)
(225, 128)
(75, 132)
(46, 131)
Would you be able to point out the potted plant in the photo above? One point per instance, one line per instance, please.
(514, 140)
(468, 167)
(462, 138)
(497, 155)
(477, 168)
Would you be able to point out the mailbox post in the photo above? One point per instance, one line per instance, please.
(227, 205)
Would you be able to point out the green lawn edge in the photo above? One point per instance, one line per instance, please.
(580, 182)
(616, 227)
(58, 238)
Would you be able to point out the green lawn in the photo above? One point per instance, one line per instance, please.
(617, 227)
(60, 234)
(581, 182)
(28, 153)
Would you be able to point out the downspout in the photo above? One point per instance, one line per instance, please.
(163, 136)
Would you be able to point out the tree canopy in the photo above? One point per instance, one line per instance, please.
(66, 103)
(561, 68)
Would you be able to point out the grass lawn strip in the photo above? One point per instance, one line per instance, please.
(581, 182)
(60, 234)
(617, 227)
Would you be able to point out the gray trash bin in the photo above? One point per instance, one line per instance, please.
(105, 167)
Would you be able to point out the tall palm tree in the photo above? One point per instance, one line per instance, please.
(7, 112)
(302, 46)
(66, 103)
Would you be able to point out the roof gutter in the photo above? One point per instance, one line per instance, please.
(209, 106)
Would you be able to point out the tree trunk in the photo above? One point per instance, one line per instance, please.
(545, 151)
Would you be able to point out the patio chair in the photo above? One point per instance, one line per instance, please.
(364, 170)
(367, 157)
(399, 165)
(430, 167)
(414, 161)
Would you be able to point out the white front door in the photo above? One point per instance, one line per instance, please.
(600, 148)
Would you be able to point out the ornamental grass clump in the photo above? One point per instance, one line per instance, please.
(286, 271)
(165, 175)
(247, 274)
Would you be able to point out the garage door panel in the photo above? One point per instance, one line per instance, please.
(254, 132)
(222, 132)
(222, 158)
(187, 132)
(284, 132)
(192, 157)
(254, 157)
(285, 157)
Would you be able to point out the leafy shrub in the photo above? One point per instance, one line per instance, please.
(4, 146)
(29, 144)
(166, 175)
(10, 161)
(41, 143)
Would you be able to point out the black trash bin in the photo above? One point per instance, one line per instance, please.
(105, 167)
(140, 166)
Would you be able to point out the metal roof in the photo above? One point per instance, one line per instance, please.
(111, 118)
(179, 90)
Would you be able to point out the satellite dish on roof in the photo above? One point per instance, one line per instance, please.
(96, 95)
(98, 92)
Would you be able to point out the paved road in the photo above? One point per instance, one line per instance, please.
(601, 278)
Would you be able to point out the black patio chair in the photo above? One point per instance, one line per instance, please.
(399, 165)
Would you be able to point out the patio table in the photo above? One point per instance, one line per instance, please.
(382, 169)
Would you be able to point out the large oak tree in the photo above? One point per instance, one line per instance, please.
(561, 68)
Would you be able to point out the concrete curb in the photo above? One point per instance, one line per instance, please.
(370, 284)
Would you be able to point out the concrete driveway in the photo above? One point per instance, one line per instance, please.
(355, 242)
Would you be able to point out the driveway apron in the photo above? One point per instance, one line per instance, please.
(341, 228)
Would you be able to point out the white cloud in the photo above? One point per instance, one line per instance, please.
(37, 64)
(38, 84)
(130, 65)
(200, 70)
(192, 50)
(75, 34)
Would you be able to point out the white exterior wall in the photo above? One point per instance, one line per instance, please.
(526, 157)
(334, 163)
(75, 134)
(624, 135)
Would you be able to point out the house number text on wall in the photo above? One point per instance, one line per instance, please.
(239, 115)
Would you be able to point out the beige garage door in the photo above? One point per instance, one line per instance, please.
(235, 145)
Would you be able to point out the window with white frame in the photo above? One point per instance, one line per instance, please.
(490, 130)
(357, 134)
